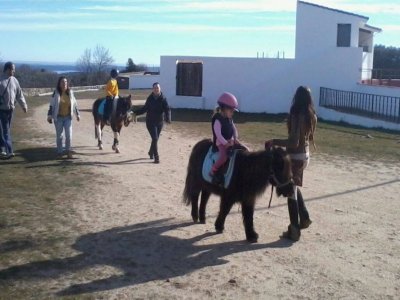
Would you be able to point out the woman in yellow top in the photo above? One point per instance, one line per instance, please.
(112, 92)
(62, 107)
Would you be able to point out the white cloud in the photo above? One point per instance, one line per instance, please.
(391, 28)
(145, 27)
(44, 15)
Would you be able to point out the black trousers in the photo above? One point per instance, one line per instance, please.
(108, 107)
(154, 131)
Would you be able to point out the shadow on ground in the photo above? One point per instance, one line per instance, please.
(141, 253)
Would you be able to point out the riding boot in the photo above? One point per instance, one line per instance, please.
(218, 178)
(293, 232)
(305, 221)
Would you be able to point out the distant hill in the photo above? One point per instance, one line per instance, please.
(62, 68)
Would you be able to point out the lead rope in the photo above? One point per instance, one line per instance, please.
(272, 194)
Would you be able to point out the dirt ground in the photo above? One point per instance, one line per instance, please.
(136, 239)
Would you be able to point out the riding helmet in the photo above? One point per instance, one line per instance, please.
(228, 100)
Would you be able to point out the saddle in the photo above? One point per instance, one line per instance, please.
(227, 170)
(107, 111)
(102, 107)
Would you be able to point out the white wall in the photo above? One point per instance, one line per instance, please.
(142, 81)
(268, 85)
(332, 115)
(316, 30)
(261, 85)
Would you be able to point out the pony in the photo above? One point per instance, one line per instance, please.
(252, 173)
(118, 118)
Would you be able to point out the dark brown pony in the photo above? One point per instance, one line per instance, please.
(118, 119)
(253, 172)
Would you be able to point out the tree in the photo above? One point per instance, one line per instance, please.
(102, 58)
(130, 66)
(84, 63)
(386, 57)
(94, 65)
(386, 62)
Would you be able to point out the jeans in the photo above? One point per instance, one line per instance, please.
(63, 124)
(154, 131)
(5, 131)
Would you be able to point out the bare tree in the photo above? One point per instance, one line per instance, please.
(84, 63)
(102, 58)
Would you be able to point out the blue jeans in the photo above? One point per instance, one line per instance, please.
(63, 124)
(5, 131)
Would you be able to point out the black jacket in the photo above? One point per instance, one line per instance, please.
(156, 108)
(227, 128)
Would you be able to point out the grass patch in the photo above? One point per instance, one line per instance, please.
(36, 205)
(332, 138)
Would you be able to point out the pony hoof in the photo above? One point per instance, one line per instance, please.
(252, 238)
(100, 147)
(219, 230)
(117, 150)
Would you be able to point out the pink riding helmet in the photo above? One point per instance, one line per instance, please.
(229, 100)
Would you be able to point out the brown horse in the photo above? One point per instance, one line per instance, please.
(119, 117)
(253, 172)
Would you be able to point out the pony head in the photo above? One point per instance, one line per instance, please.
(281, 172)
(127, 105)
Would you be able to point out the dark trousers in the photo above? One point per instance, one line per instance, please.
(5, 131)
(154, 131)
(108, 108)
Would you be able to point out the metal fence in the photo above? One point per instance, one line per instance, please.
(378, 107)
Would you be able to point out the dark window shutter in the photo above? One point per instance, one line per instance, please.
(344, 35)
(189, 79)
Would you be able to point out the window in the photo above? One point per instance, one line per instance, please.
(189, 79)
(344, 35)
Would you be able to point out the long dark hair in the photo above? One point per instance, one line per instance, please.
(58, 85)
(303, 104)
(7, 66)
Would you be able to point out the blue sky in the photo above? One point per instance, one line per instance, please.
(60, 30)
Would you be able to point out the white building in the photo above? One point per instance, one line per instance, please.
(333, 50)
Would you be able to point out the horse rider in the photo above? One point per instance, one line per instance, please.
(112, 93)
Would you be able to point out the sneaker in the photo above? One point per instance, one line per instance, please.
(150, 155)
(156, 160)
(10, 155)
(3, 155)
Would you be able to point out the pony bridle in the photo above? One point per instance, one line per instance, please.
(277, 182)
